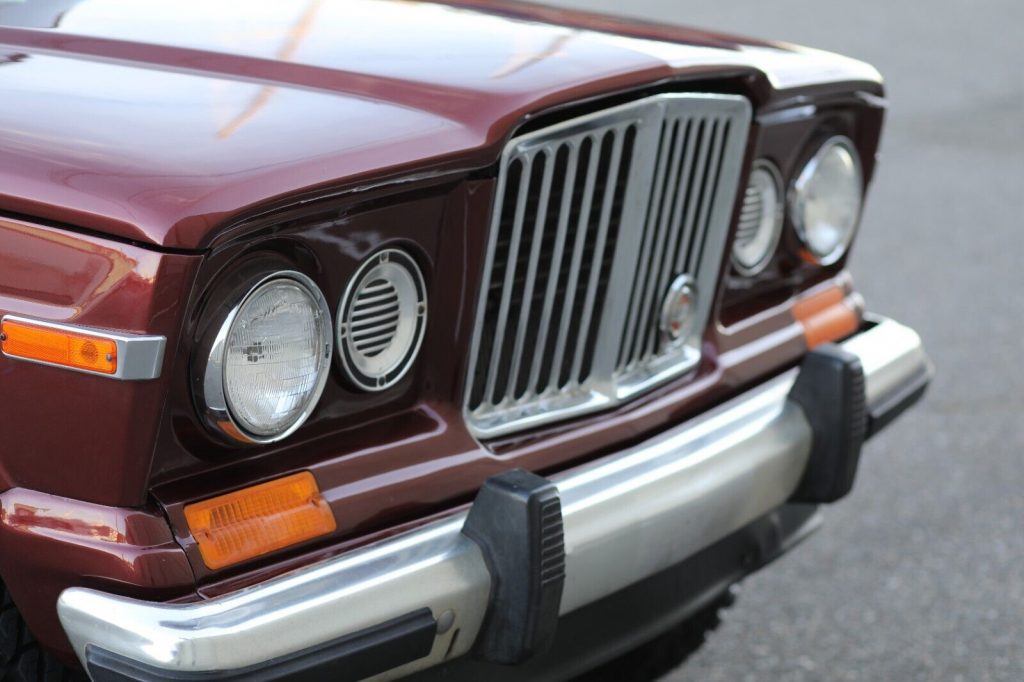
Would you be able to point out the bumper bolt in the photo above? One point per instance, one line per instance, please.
(445, 622)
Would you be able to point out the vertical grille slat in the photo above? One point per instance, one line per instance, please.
(677, 133)
(698, 191)
(506, 290)
(549, 371)
(696, 177)
(659, 233)
(556, 263)
(537, 240)
(558, 376)
(630, 331)
(677, 195)
(594, 219)
(690, 259)
(611, 174)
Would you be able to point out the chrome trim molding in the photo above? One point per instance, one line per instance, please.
(593, 220)
(139, 357)
(210, 394)
(626, 517)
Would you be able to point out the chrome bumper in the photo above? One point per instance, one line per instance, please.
(626, 517)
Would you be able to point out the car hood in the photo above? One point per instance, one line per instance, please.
(159, 121)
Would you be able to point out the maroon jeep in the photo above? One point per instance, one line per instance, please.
(379, 339)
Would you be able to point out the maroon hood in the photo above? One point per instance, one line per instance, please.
(158, 121)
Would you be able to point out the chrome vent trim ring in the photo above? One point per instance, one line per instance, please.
(593, 221)
(381, 320)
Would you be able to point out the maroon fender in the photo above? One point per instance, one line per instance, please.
(68, 433)
(48, 543)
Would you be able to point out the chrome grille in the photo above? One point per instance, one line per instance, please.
(594, 219)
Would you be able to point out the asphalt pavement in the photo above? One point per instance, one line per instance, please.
(919, 573)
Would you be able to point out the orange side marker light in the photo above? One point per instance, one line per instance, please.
(258, 520)
(826, 316)
(58, 347)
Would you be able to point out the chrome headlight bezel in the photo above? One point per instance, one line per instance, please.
(799, 197)
(209, 377)
(771, 221)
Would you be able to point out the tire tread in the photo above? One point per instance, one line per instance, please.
(21, 657)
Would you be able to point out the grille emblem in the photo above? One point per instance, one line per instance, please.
(677, 312)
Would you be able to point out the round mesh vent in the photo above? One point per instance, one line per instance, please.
(760, 223)
(381, 320)
(750, 216)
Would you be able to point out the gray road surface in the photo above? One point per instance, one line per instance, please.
(919, 574)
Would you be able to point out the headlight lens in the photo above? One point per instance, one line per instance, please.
(827, 200)
(760, 221)
(269, 362)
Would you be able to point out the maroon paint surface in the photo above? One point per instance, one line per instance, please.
(49, 543)
(70, 433)
(172, 135)
(183, 118)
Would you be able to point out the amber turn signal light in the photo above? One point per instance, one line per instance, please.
(826, 316)
(56, 346)
(258, 520)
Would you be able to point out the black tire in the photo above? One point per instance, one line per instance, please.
(667, 651)
(21, 658)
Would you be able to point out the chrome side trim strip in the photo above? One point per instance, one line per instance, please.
(139, 357)
(625, 516)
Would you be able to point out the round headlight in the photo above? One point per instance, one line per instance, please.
(760, 222)
(267, 365)
(827, 200)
